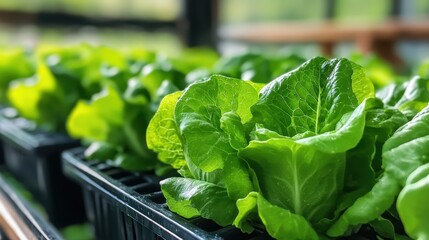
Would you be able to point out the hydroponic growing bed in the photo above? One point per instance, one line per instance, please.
(33, 156)
(126, 205)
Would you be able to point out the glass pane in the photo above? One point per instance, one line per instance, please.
(143, 9)
(250, 11)
(362, 11)
(415, 9)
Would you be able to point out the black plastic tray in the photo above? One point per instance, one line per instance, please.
(38, 226)
(1, 143)
(33, 157)
(126, 205)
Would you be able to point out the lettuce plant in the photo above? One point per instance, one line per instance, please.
(115, 121)
(281, 158)
(14, 64)
(403, 153)
(409, 97)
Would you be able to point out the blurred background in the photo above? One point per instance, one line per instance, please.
(308, 28)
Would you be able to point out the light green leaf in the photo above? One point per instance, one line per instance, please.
(404, 152)
(136, 120)
(314, 97)
(279, 222)
(412, 204)
(231, 124)
(391, 93)
(361, 84)
(289, 174)
(100, 151)
(342, 139)
(133, 162)
(416, 95)
(408, 148)
(161, 135)
(368, 207)
(190, 197)
(100, 119)
(44, 98)
(198, 113)
(14, 64)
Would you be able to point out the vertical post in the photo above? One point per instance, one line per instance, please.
(395, 8)
(198, 22)
(330, 9)
(328, 48)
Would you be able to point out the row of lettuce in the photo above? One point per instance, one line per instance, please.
(313, 149)
(107, 97)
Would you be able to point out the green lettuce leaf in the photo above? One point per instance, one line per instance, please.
(100, 151)
(136, 121)
(247, 66)
(415, 97)
(289, 174)
(378, 70)
(98, 120)
(153, 75)
(161, 134)
(280, 222)
(404, 152)
(391, 93)
(190, 198)
(314, 97)
(198, 113)
(14, 64)
(409, 97)
(46, 98)
(412, 204)
(211, 108)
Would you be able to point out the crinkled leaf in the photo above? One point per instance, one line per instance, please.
(314, 97)
(361, 84)
(342, 139)
(161, 133)
(198, 113)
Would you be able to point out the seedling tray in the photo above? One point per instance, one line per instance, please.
(19, 219)
(33, 157)
(126, 205)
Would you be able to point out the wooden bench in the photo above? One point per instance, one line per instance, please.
(377, 38)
